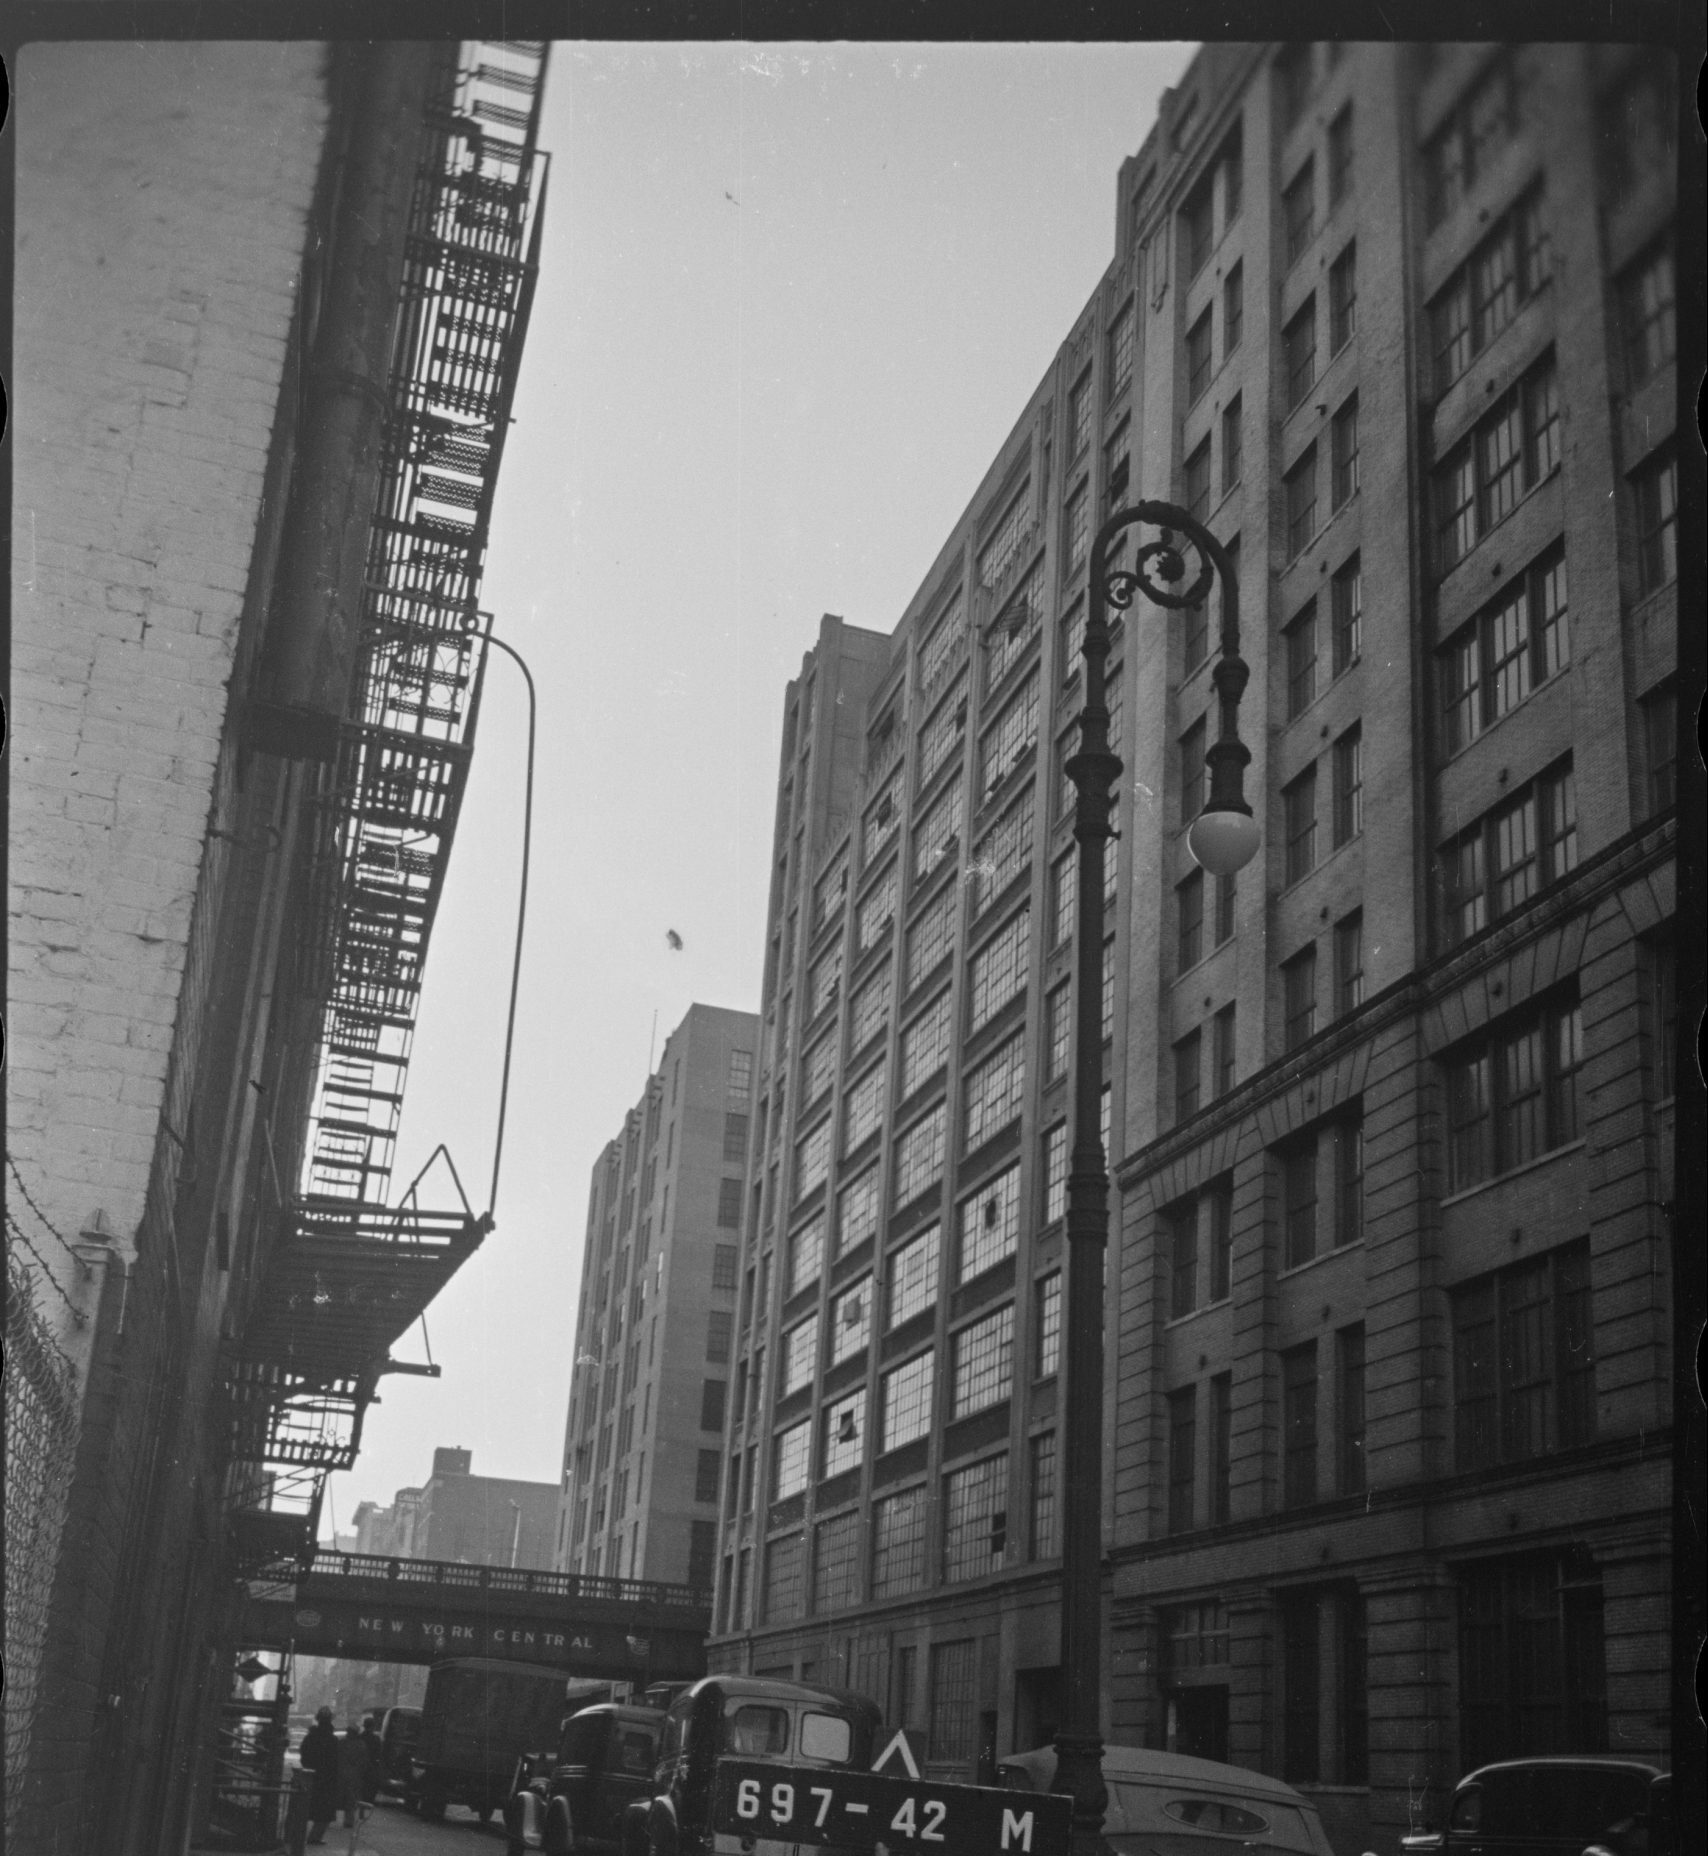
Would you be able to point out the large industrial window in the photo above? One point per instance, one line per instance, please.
(913, 1277)
(987, 1225)
(907, 1401)
(982, 1363)
(898, 1543)
(975, 1519)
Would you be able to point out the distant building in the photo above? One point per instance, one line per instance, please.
(655, 1328)
(457, 1515)
(1391, 1114)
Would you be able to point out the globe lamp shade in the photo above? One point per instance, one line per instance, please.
(1223, 842)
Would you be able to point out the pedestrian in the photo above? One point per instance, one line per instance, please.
(352, 1768)
(376, 1758)
(319, 1756)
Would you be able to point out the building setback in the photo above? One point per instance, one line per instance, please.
(654, 1331)
(1391, 1113)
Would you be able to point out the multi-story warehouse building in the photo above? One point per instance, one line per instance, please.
(655, 1329)
(1391, 1112)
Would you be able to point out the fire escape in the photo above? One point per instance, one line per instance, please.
(350, 1270)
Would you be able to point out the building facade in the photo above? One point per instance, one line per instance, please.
(654, 1332)
(457, 1515)
(1387, 1405)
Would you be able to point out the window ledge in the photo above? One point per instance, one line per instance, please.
(1222, 1301)
(1324, 1256)
(1517, 1172)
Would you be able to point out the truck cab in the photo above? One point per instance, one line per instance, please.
(574, 1797)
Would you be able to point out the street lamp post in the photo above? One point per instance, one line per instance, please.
(1222, 839)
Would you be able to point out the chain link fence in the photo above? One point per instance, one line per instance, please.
(41, 1446)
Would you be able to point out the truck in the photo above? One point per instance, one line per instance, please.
(479, 1716)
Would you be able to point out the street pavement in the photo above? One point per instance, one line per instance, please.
(389, 1830)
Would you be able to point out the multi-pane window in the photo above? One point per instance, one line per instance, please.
(990, 1097)
(829, 889)
(1301, 641)
(812, 1162)
(1055, 1172)
(1524, 1360)
(1192, 769)
(875, 910)
(1045, 1542)
(944, 728)
(987, 1225)
(799, 1357)
(931, 934)
(784, 1587)
(851, 1320)
(1481, 481)
(1299, 212)
(975, 1519)
(940, 642)
(1120, 369)
(1348, 785)
(1106, 1009)
(1197, 225)
(1484, 294)
(1012, 631)
(863, 1106)
(1660, 749)
(740, 1084)
(1343, 453)
(1233, 309)
(1346, 613)
(1198, 482)
(913, 1277)
(906, 1393)
(1009, 738)
(1458, 154)
(1299, 997)
(1349, 1410)
(836, 1564)
(1494, 661)
(1004, 851)
(997, 553)
(1299, 1425)
(729, 1204)
(1340, 156)
(1300, 490)
(1510, 854)
(1343, 299)
(1076, 528)
(857, 1211)
(1071, 632)
(1216, 1205)
(1189, 915)
(706, 1476)
(937, 832)
(997, 972)
(1058, 1030)
(981, 1363)
(735, 1137)
(879, 821)
(898, 1543)
(1222, 1052)
(919, 1156)
(1655, 485)
(868, 1015)
(1299, 1202)
(1198, 358)
(1117, 463)
(1349, 963)
(723, 1266)
(1345, 1139)
(1299, 348)
(1299, 815)
(1079, 415)
(1221, 1447)
(1182, 1455)
(1513, 1094)
(824, 979)
(1047, 1354)
(1647, 313)
(844, 1437)
(925, 1044)
(1188, 1072)
(720, 1327)
(1064, 896)
(791, 1452)
(1182, 1225)
(1232, 466)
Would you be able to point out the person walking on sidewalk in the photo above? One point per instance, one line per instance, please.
(353, 1762)
(319, 1756)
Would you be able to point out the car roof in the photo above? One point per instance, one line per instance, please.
(774, 1688)
(622, 1711)
(1569, 1762)
(1134, 1762)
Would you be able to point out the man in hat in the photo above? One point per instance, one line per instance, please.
(319, 1756)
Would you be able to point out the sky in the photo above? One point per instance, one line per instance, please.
(791, 301)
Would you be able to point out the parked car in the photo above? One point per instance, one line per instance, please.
(1558, 1806)
(747, 1717)
(573, 1797)
(1164, 1804)
(399, 1730)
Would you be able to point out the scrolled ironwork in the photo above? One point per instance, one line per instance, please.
(1159, 565)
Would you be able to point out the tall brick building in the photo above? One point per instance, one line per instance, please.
(1391, 1113)
(270, 303)
(457, 1515)
(654, 1331)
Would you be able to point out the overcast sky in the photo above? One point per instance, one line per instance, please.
(791, 301)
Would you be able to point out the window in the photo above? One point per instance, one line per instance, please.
(1343, 299)
(1106, 1013)
(1221, 1447)
(1348, 785)
(800, 1356)
(844, 1435)
(789, 1460)
(1058, 1031)
(1188, 1069)
(1349, 1410)
(1299, 1202)
(1233, 309)
(1013, 629)
(1222, 1052)
(1292, 81)
(875, 911)
(729, 1204)
(724, 1266)
(944, 730)
(1301, 1685)
(1076, 529)
(835, 1569)
(913, 1277)
(1183, 1259)
(1192, 771)
(1301, 637)
(990, 1097)
(931, 935)
(1116, 466)
(1079, 415)
(1197, 226)
(940, 642)
(1660, 749)
(711, 1405)
(1224, 910)
(936, 834)
(1299, 809)
(879, 822)
(812, 1162)
(1055, 1173)
(975, 1526)
(720, 1325)
(1340, 157)
(824, 980)
(1232, 466)
(863, 1106)
(1048, 1354)
(1349, 963)
(868, 1016)
(706, 1476)
(1003, 852)
(925, 1044)
(829, 890)
(1195, 1636)
(1198, 482)
(919, 1156)
(1182, 1448)
(735, 1137)
(1198, 358)
(1346, 614)
(1510, 854)
(1299, 1425)
(1518, 641)
(1045, 1543)
(1524, 1360)
(1299, 212)
(1299, 350)
(1458, 154)
(1512, 1095)
(1301, 497)
(981, 1370)
(898, 1543)
(1512, 449)
(857, 1211)
(998, 551)
(988, 1225)
(1656, 486)
(1343, 446)
(1647, 313)
(784, 1589)
(907, 1401)
(1189, 914)
(1121, 349)
(1009, 738)
(997, 972)
(851, 1321)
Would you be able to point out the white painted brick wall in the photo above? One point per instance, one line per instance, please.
(163, 193)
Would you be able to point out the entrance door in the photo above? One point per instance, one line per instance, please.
(1200, 1722)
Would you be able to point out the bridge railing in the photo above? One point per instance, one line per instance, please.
(519, 1581)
